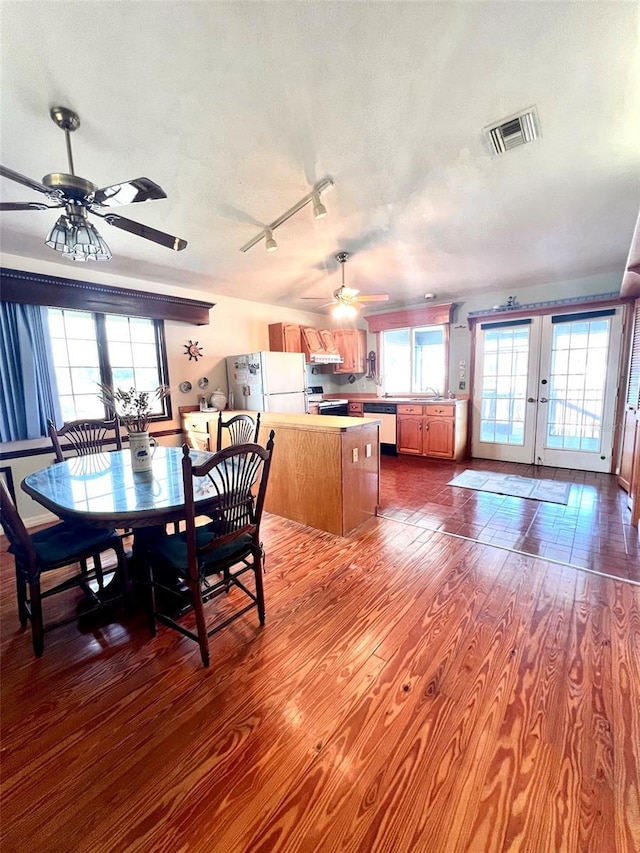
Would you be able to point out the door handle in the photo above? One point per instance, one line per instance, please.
(543, 400)
(531, 399)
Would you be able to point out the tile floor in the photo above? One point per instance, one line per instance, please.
(592, 530)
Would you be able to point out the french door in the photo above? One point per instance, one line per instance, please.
(545, 389)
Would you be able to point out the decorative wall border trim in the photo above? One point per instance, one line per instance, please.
(36, 289)
(543, 307)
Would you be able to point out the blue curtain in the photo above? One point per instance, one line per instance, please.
(28, 388)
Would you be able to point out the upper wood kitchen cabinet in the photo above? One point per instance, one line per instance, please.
(285, 337)
(318, 345)
(352, 345)
(438, 430)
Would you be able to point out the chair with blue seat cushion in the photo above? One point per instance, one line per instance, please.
(57, 547)
(191, 568)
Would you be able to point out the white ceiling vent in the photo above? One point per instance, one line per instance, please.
(512, 132)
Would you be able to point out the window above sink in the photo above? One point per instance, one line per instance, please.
(414, 360)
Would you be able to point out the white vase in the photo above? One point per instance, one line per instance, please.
(218, 400)
(379, 391)
(142, 447)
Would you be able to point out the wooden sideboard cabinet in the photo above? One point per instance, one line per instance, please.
(285, 337)
(438, 430)
(200, 430)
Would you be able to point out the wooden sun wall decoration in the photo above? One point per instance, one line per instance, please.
(193, 350)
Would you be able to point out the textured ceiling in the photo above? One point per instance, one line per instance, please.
(237, 109)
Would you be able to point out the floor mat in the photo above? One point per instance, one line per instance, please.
(551, 491)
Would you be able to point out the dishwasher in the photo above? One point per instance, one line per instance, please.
(386, 412)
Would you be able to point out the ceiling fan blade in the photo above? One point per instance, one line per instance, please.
(28, 182)
(27, 205)
(130, 192)
(381, 298)
(175, 243)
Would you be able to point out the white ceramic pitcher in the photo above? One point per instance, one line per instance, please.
(142, 447)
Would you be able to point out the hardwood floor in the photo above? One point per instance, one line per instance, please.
(411, 691)
(592, 531)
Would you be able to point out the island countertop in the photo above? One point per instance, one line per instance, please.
(325, 470)
(315, 423)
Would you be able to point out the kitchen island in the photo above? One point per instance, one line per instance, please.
(325, 471)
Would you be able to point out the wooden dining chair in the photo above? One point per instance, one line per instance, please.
(85, 436)
(48, 550)
(242, 429)
(192, 568)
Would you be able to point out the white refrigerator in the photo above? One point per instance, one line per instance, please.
(267, 382)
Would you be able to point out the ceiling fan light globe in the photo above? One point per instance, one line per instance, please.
(57, 238)
(342, 311)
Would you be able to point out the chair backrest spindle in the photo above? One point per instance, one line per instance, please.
(85, 436)
(242, 429)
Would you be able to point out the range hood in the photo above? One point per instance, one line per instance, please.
(324, 358)
(319, 346)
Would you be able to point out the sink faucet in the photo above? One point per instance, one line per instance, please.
(435, 391)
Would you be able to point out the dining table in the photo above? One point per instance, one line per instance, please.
(102, 490)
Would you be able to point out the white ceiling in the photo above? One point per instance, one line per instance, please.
(236, 109)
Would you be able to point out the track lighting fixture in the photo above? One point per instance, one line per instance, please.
(269, 243)
(319, 212)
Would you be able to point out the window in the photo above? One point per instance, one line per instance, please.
(414, 359)
(119, 351)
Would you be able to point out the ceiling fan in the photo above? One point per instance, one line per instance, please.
(73, 235)
(346, 299)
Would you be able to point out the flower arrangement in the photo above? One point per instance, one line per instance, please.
(133, 407)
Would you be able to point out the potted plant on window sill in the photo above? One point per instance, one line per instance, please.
(134, 410)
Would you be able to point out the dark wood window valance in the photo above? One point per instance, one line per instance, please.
(425, 315)
(35, 289)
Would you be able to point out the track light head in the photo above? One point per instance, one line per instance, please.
(269, 243)
(319, 210)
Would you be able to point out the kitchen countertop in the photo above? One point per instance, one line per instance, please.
(422, 401)
(314, 423)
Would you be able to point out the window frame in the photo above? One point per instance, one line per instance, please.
(104, 363)
(411, 372)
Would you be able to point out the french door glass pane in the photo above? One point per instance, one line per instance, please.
(577, 384)
(504, 385)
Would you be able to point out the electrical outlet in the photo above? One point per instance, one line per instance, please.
(367, 451)
(355, 454)
(462, 385)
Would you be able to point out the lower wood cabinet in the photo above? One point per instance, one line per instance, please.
(435, 430)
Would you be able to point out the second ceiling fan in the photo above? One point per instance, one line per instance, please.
(348, 298)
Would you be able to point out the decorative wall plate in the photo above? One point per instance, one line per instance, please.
(185, 387)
